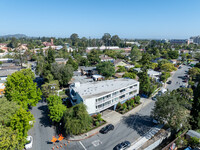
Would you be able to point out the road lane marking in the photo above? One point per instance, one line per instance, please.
(82, 145)
(96, 143)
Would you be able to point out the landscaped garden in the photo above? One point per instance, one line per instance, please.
(128, 105)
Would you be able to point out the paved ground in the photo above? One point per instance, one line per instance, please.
(177, 78)
(42, 131)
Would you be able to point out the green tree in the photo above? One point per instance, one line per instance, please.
(62, 73)
(73, 63)
(121, 69)
(56, 108)
(115, 40)
(83, 62)
(20, 123)
(172, 109)
(164, 76)
(145, 60)
(106, 69)
(106, 39)
(195, 112)
(168, 67)
(93, 57)
(7, 110)
(135, 54)
(50, 88)
(194, 72)
(50, 56)
(77, 120)
(74, 38)
(130, 75)
(145, 83)
(173, 54)
(21, 89)
(9, 139)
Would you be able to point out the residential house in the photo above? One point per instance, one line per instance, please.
(119, 62)
(98, 96)
(61, 60)
(89, 71)
(106, 58)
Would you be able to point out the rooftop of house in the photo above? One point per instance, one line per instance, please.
(193, 133)
(60, 59)
(81, 79)
(87, 68)
(149, 72)
(5, 73)
(105, 57)
(100, 88)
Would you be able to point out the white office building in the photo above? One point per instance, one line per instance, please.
(98, 96)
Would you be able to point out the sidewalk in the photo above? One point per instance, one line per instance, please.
(113, 117)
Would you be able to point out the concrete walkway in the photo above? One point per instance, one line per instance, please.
(111, 117)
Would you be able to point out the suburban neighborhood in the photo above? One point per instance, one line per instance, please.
(108, 91)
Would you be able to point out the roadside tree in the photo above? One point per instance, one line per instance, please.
(106, 69)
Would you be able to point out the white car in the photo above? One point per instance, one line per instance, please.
(30, 142)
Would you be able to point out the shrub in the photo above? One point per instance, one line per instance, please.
(97, 123)
(137, 99)
(124, 106)
(99, 117)
(129, 107)
(132, 101)
(119, 105)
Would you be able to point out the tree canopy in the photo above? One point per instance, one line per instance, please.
(77, 120)
(56, 108)
(173, 107)
(106, 69)
(21, 89)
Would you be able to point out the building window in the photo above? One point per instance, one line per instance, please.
(130, 92)
(131, 87)
(135, 85)
(122, 96)
(122, 90)
(115, 93)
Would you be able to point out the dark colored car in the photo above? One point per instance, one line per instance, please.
(122, 146)
(106, 129)
(179, 67)
(169, 82)
(154, 98)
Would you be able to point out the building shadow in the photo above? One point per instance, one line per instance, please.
(45, 120)
(141, 124)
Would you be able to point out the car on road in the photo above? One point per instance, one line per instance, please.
(182, 86)
(29, 143)
(107, 128)
(179, 67)
(154, 98)
(169, 82)
(122, 146)
(185, 80)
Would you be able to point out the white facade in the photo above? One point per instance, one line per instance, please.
(98, 96)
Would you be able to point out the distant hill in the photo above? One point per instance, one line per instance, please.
(14, 35)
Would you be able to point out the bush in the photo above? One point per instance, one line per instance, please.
(124, 106)
(137, 99)
(99, 117)
(119, 105)
(129, 107)
(97, 123)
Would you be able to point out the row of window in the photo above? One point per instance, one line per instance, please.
(116, 99)
(113, 94)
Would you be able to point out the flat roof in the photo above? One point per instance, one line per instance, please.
(4, 73)
(99, 88)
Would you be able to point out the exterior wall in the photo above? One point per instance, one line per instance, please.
(90, 103)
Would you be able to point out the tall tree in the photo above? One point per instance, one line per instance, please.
(93, 57)
(74, 37)
(73, 63)
(145, 84)
(115, 40)
(106, 69)
(106, 39)
(172, 109)
(62, 73)
(56, 108)
(135, 54)
(77, 120)
(21, 89)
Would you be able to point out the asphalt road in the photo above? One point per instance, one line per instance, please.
(177, 78)
(130, 128)
(42, 131)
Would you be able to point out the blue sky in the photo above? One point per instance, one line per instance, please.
(126, 18)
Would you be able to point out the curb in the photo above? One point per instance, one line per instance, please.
(85, 137)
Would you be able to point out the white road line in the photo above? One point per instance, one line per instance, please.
(82, 145)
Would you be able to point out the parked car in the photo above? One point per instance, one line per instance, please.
(30, 142)
(179, 67)
(122, 146)
(154, 98)
(185, 80)
(107, 128)
(169, 82)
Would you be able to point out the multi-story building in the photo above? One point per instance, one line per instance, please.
(196, 39)
(98, 96)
